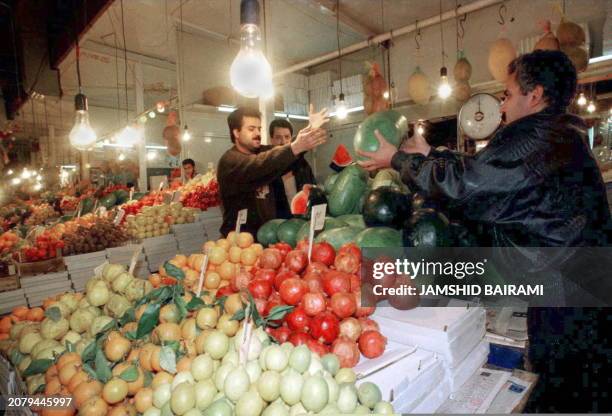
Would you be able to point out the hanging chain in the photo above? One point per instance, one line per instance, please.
(442, 34)
(338, 39)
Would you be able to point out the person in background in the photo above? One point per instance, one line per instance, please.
(298, 174)
(536, 184)
(189, 171)
(246, 170)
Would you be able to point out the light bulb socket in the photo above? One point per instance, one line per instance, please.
(80, 102)
(341, 97)
(186, 128)
(443, 72)
(249, 12)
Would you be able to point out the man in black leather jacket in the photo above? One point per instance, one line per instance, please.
(536, 184)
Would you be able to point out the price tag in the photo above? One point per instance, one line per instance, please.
(119, 216)
(241, 219)
(161, 185)
(98, 270)
(202, 272)
(135, 258)
(79, 208)
(131, 193)
(96, 204)
(176, 196)
(317, 222)
(11, 269)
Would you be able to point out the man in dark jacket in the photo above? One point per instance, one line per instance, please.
(246, 170)
(298, 174)
(536, 184)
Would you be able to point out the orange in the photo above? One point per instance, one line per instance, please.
(180, 260)
(20, 312)
(35, 314)
(5, 325)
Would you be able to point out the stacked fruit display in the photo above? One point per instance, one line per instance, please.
(154, 221)
(40, 214)
(44, 247)
(9, 241)
(99, 235)
(202, 196)
(69, 203)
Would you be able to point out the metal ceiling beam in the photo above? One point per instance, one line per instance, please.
(348, 20)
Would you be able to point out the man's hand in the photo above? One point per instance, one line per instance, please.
(307, 139)
(416, 144)
(381, 158)
(316, 120)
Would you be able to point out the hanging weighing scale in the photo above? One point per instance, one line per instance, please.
(479, 117)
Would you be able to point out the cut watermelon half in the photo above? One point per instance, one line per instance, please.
(341, 159)
(299, 203)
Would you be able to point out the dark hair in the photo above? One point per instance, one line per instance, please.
(553, 70)
(280, 123)
(188, 162)
(234, 120)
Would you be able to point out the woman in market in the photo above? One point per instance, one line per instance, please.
(247, 169)
(536, 184)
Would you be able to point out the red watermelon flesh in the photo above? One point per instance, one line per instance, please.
(341, 159)
(299, 203)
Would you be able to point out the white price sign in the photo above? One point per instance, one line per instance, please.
(135, 258)
(161, 185)
(202, 272)
(176, 196)
(119, 216)
(241, 219)
(131, 193)
(317, 222)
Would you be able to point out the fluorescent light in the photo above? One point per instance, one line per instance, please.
(117, 145)
(68, 166)
(350, 110)
(295, 116)
(156, 147)
(226, 108)
(600, 59)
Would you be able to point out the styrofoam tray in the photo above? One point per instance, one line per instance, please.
(458, 375)
(431, 403)
(420, 387)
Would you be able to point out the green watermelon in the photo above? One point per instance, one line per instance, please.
(348, 189)
(391, 124)
(329, 182)
(354, 220)
(389, 177)
(379, 237)
(87, 205)
(386, 206)
(122, 196)
(427, 228)
(108, 201)
(288, 230)
(330, 224)
(266, 234)
(337, 237)
(137, 195)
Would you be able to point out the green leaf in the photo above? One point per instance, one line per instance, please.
(40, 389)
(148, 321)
(89, 353)
(254, 313)
(160, 294)
(90, 371)
(103, 370)
(167, 359)
(148, 378)
(70, 347)
(16, 357)
(238, 316)
(54, 313)
(128, 316)
(278, 312)
(38, 367)
(174, 271)
(220, 301)
(195, 303)
(111, 325)
(175, 345)
(131, 335)
(181, 305)
(130, 374)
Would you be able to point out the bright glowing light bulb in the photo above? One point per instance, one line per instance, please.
(129, 136)
(581, 100)
(207, 140)
(160, 106)
(88, 166)
(151, 155)
(15, 181)
(38, 186)
(143, 119)
(341, 109)
(38, 178)
(420, 130)
(82, 136)
(386, 95)
(251, 73)
(26, 174)
(152, 114)
(591, 107)
(186, 134)
(444, 89)
(10, 172)
(121, 157)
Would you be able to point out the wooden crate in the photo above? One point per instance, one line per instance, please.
(40, 267)
(8, 283)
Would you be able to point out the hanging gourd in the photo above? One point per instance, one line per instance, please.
(571, 39)
(463, 69)
(374, 87)
(548, 41)
(462, 91)
(578, 56)
(419, 87)
(502, 51)
(172, 135)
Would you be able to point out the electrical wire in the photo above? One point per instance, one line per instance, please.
(338, 39)
(127, 109)
(441, 33)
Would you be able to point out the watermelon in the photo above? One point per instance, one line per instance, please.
(389, 177)
(386, 206)
(330, 224)
(341, 159)
(427, 228)
(299, 202)
(87, 205)
(108, 201)
(391, 124)
(379, 237)
(338, 237)
(266, 234)
(329, 182)
(303, 201)
(348, 189)
(288, 230)
(137, 195)
(354, 220)
(122, 196)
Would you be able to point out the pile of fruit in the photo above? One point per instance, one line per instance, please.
(40, 214)
(99, 235)
(13, 214)
(9, 241)
(202, 196)
(69, 203)
(44, 247)
(123, 348)
(18, 314)
(154, 221)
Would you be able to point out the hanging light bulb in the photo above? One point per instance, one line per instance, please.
(10, 172)
(250, 72)
(88, 166)
(152, 114)
(152, 155)
(420, 129)
(386, 95)
(143, 119)
(121, 157)
(38, 186)
(207, 140)
(591, 107)
(582, 101)
(26, 173)
(444, 89)
(160, 106)
(341, 109)
(15, 181)
(186, 134)
(38, 178)
(82, 136)
(129, 136)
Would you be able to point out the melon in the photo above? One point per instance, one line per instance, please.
(570, 34)
(308, 197)
(578, 56)
(299, 202)
(348, 190)
(266, 234)
(391, 124)
(463, 69)
(419, 87)
(341, 159)
(353, 220)
(288, 230)
(329, 182)
(462, 91)
(501, 53)
(548, 41)
(108, 201)
(378, 237)
(338, 237)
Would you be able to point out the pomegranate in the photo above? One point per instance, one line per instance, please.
(296, 260)
(270, 258)
(325, 327)
(297, 320)
(343, 304)
(292, 290)
(336, 282)
(372, 344)
(347, 263)
(299, 338)
(316, 346)
(347, 352)
(313, 303)
(368, 324)
(368, 298)
(350, 328)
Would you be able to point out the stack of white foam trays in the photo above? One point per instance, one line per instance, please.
(190, 237)
(10, 299)
(81, 267)
(454, 335)
(212, 220)
(40, 287)
(159, 250)
(123, 255)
